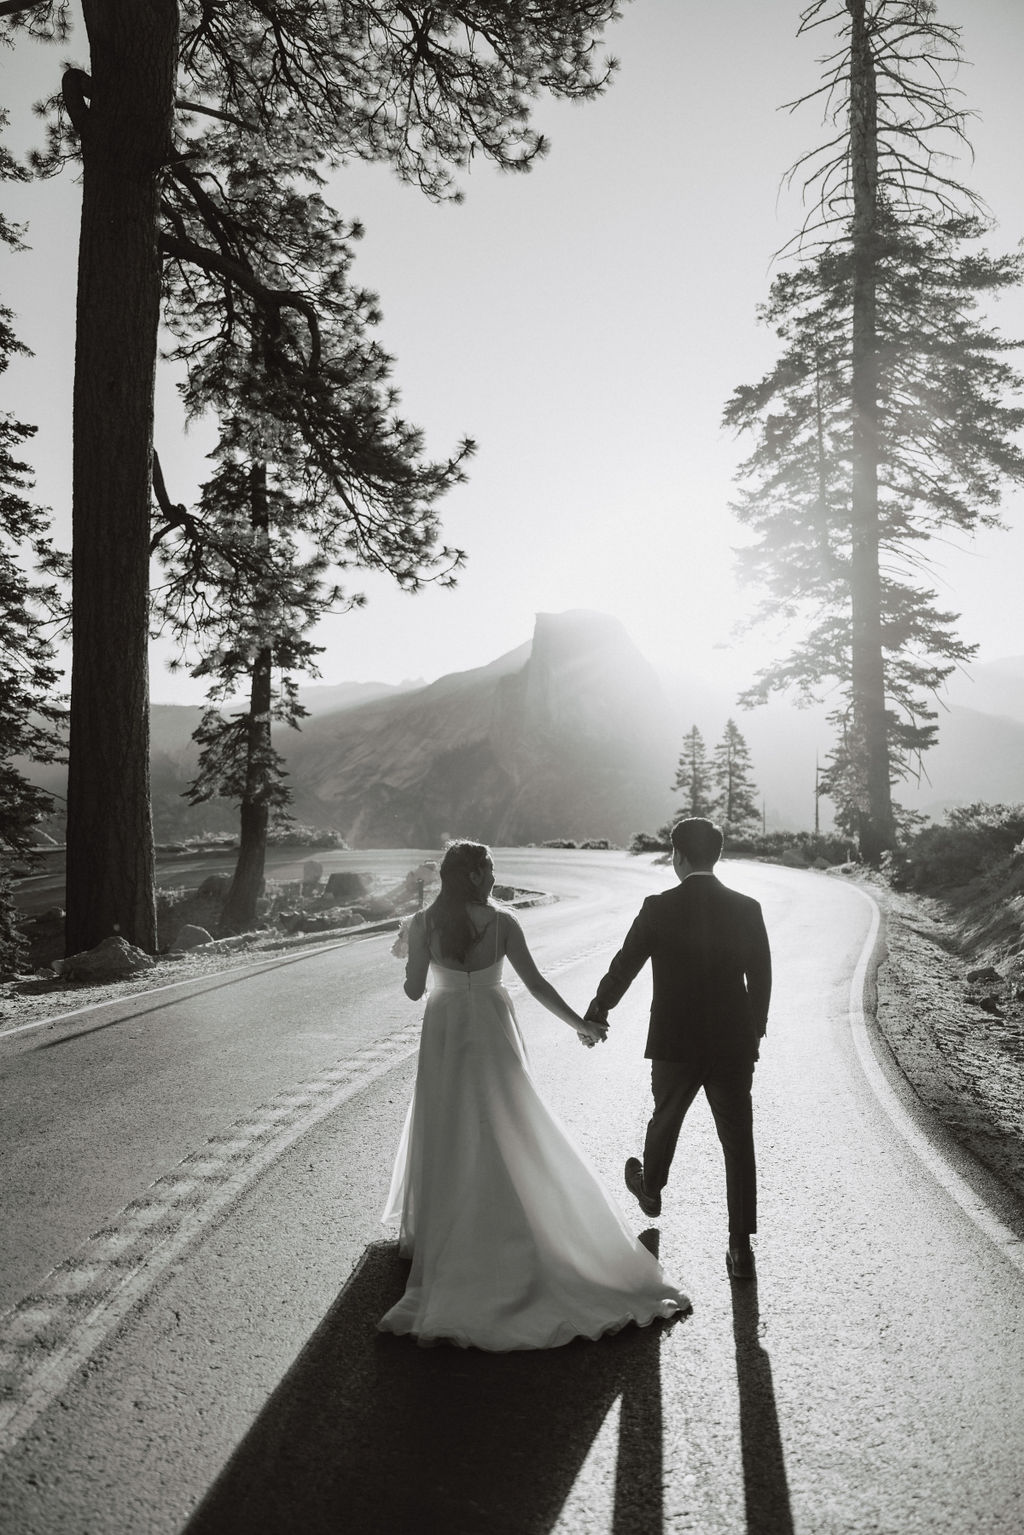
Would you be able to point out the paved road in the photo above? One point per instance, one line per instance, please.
(191, 1252)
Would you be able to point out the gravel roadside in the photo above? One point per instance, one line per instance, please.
(957, 1031)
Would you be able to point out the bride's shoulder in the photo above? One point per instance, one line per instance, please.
(508, 923)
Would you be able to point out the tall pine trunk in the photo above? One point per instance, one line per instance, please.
(238, 914)
(869, 731)
(126, 138)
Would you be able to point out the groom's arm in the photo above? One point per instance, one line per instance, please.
(624, 968)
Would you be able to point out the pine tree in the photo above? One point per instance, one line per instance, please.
(30, 603)
(692, 775)
(419, 87)
(734, 804)
(885, 420)
(945, 446)
(316, 471)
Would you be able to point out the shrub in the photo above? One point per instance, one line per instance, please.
(976, 840)
(651, 842)
(13, 947)
(560, 842)
(307, 836)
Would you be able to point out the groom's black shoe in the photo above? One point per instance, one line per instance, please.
(739, 1260)
(650, 1204)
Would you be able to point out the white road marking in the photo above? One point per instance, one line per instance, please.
(941, 1169)
(208, 982)
(49, 1335)
(52, 1333)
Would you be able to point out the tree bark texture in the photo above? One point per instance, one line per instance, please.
(125, 135)
(870, 740)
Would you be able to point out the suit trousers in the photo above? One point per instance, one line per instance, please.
(726, 1086)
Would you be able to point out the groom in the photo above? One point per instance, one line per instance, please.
(712, 982)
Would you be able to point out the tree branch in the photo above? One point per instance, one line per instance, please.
(76, 88)
(190, 251)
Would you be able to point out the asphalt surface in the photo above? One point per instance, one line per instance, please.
(193, 1265)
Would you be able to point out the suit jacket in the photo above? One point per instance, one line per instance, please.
(712, 972)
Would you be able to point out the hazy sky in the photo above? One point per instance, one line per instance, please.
(585, 324)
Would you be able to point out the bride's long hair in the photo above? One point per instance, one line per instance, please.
(447, 915)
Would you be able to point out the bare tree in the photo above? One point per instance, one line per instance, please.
(888, 94)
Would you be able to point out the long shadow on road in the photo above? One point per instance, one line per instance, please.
(766, 1490)
(369, 1433)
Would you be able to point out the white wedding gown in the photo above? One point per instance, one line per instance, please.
(514, 1241)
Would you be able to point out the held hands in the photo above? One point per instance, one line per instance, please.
(594, 1027)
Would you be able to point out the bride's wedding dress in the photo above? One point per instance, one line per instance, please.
(514, 1241)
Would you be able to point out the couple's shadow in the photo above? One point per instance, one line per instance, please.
(368, 1433)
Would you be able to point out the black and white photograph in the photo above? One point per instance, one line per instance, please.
(511, 767)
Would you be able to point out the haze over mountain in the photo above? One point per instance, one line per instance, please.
(566, 736)
(569, 735)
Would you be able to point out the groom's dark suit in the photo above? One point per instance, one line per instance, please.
(712, 983)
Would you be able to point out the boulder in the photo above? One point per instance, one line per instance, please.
(111, 960)
(377, 909)
(190, 937)
(216, 885)
(345, 885)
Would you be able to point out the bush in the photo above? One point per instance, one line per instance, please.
(307, 836)
(976, 840)
(560, 842)
(13, 946)
(793, 847)
(598, 844)
(799, 849)
(650, 842)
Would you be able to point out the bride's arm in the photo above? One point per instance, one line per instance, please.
(417, 964)
(523, 964)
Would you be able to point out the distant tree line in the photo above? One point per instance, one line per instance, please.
(718, 785)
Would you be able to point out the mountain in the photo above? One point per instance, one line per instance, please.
(994, 687)
(567, 736)
(978, 757)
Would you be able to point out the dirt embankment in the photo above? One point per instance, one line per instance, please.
(951, 1006)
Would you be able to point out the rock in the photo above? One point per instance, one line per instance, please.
(427, 872)
(345, 885)
(216, 885)
(191, 936)
(111, 960)
(984, 973)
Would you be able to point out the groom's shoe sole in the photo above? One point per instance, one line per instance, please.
(650, 1204)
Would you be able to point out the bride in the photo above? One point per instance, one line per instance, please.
(514, 1242)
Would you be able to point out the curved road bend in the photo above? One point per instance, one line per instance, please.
(191, 1253)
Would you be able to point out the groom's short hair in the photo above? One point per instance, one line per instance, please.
(699, 841)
